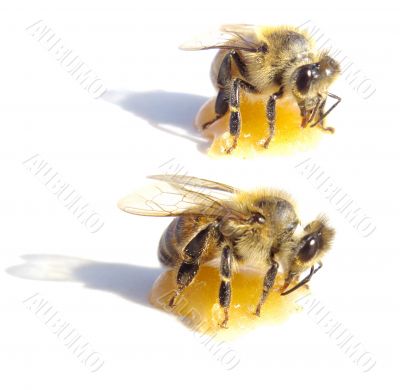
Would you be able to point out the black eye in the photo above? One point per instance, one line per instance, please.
(258, 218)
(304, 77)
(310, 247)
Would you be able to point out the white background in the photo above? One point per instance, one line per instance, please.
(105, 147)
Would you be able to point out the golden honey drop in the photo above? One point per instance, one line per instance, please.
(289, 135)
(198, 305)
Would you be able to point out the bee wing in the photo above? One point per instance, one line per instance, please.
(191, 182)
(167, 198)
(232, 36)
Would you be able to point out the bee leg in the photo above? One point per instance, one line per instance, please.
(225, 286)
(229, 98)
(221, 108)
(268, 283)
(235, 121)
(186, 273)
(322, 115)
(190, 265)
(302, 282)
(271, 115)
(320, 121)
(223, 79)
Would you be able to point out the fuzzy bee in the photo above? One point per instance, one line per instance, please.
(214, 220)
(272, 62)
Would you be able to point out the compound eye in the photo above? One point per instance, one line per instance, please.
(259, 218)
(310, 247)
(304, 78)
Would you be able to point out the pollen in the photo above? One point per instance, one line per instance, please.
(198, 307)
(289, 135)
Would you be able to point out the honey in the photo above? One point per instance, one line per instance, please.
(289, 135)
(198, 305)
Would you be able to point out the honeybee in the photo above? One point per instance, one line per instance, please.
(217, 221)
(258, 60)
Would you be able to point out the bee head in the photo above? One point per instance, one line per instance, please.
(309, 80)
(309, 248)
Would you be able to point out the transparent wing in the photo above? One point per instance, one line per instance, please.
(187, 182)
(172, 196)
(232, 36)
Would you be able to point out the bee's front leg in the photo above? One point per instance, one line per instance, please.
(320, 122)
(225, 286)
(301, 283)
(267, 285)
(271, 115)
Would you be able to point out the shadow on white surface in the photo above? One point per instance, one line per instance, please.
(163, 109)
(131, 282)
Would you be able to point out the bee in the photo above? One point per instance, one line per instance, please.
(217, 221)
(258, 60)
